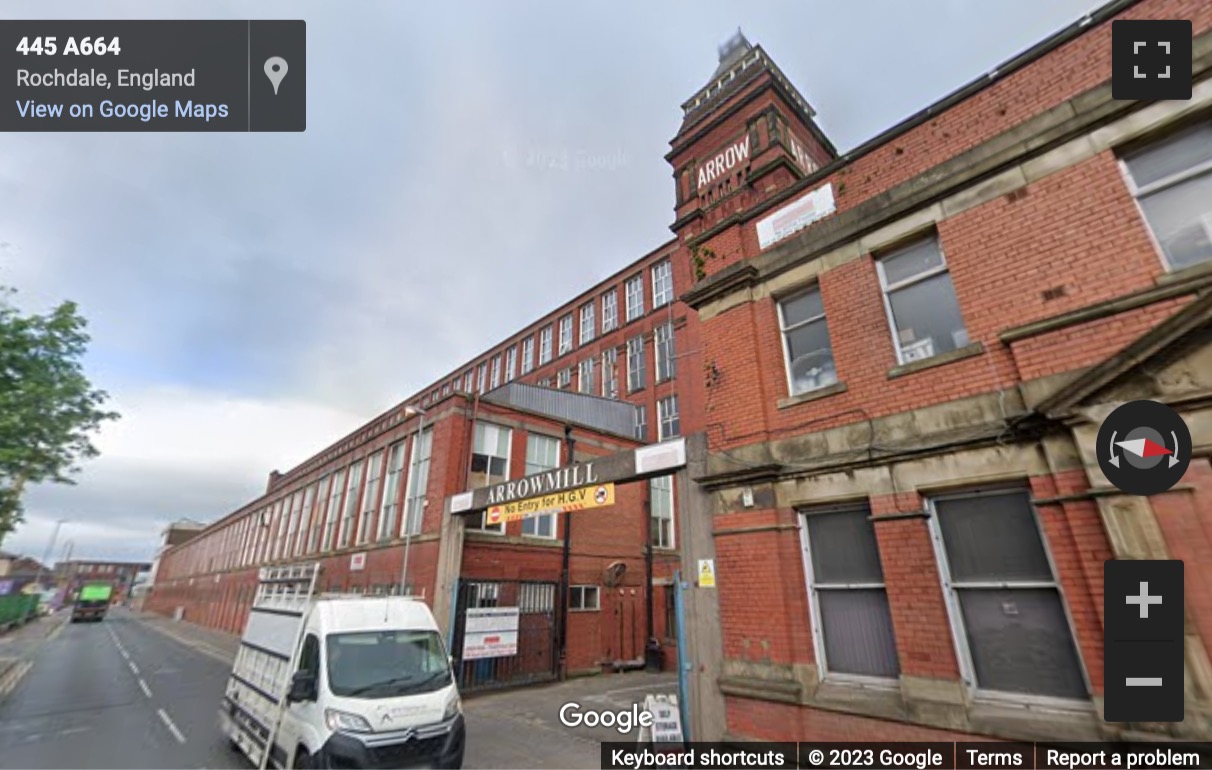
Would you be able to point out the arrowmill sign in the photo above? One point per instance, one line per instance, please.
(632, 465)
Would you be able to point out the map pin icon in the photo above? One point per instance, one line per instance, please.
(275, 70)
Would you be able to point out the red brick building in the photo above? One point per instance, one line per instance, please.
(607, 364)
(909, 352)
(890, 366)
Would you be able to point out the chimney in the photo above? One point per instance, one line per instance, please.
(274, 478)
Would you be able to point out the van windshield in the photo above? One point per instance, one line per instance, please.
(386, 664)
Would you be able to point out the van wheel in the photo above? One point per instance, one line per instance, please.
(302, 759)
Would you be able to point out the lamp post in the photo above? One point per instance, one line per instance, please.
(45, 558)
(418, 443)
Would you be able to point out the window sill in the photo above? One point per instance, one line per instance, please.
(1185, 274)
(489, 532)
(812, 395)
(538, 540)
(968, 351)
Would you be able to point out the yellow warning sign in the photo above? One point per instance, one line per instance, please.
(706, 573)
(596, 496)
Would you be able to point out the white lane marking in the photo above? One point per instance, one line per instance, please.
(143, 686)
(70, 730)
(10, 682)
(134, 669)
(125, 654)
(172, 728)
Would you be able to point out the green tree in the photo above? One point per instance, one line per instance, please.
(48, 408)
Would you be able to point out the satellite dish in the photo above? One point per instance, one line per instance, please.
(613, 575)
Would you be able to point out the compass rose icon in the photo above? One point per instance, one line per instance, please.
(1144, 447)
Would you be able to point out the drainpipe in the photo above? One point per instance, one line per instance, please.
(652, 650)
(569, 444)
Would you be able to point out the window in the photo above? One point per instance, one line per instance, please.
(635, 297)
(666, 359)
(383, 663)
(1010, 623)
(1172, 182)
(418, 481)
(496, 371)
(536, 597)
(587, 330)
(489, 465)
(482, 378)
(294, 507)
(660, 497)
(610, 311)
(319, 504)
(544, 383)
(545, 346)
(527, 355)
(511, 363)
(585, 376)
(565, 334)
(446, 389)
(584, 599)
(370, 496)
(391, 492)
(483, 595)
(662, 284)
(467, 382)
(920, 302)
(262, 536)
(636, 373)
(641, 422)
(851, 620)
(281, 512)
(309, 496)
(806, 346)
(667, 418)
(351, 504)
(564, 377)
(334, 508)
(542, 454)
(309, 656)
(610, 373)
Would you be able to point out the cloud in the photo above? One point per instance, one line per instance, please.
(177, 453)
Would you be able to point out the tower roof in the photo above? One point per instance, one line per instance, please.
(731, 52)
(739, 62)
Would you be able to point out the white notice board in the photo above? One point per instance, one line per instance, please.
(490, 632)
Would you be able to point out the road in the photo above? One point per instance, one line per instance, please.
(115, 694)
(131, 693)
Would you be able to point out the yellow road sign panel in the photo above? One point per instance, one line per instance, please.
(595, 496)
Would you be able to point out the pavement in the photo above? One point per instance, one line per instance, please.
(142, 691)
(18, 646)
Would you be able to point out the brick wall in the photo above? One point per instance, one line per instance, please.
(601, 537)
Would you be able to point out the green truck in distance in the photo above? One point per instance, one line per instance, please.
(92, 602)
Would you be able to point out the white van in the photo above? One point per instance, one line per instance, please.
(370, 685)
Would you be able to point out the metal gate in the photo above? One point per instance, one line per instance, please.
(537, 659)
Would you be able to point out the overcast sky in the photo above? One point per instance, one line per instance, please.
(253, 297)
